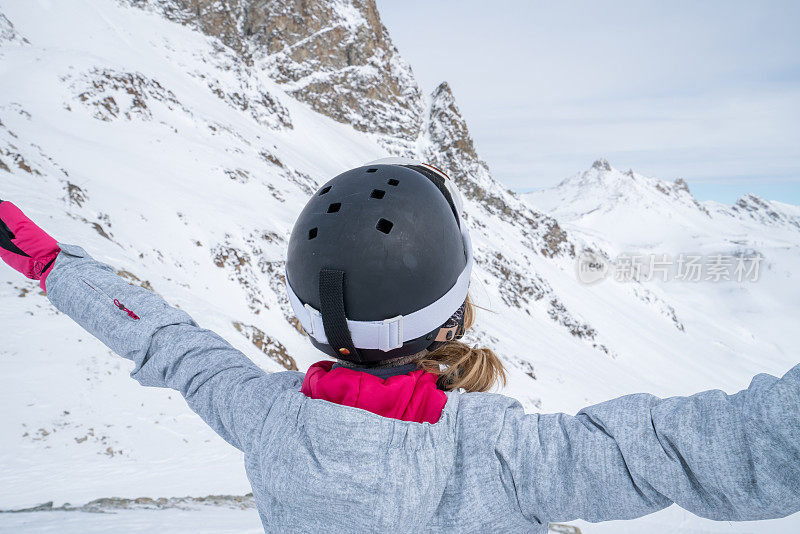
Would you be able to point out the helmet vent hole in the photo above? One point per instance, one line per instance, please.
(384, 226)
(372, 170)
(312, 233)
(393, 182)
(333, 208)
(324, 190)
(377, 193)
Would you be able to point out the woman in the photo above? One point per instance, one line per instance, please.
(398, 436)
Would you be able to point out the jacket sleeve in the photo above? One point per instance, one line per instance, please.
(222, 385)
(723, 457)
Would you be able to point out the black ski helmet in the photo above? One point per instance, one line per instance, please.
(379, 262)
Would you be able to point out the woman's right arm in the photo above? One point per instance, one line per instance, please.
(723, 457)
(169, 350)
(222, 385)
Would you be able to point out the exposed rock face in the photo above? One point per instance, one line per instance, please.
(266, 344)
(111, 94)
(452, 149)
(601, 165)
(338, 57)
(9, 33)
(766, 212)
(681, 185)
(448, 145)
(113, 504)
(335, 56)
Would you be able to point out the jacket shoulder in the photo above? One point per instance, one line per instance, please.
(287, 379)
(476, 405)
(484, 420)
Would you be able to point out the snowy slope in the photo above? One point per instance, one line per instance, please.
(179, 147)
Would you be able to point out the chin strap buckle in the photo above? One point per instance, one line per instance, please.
(391, 334)
(315, 329)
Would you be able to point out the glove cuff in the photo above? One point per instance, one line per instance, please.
(43, 266)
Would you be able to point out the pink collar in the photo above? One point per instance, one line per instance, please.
(410, 397)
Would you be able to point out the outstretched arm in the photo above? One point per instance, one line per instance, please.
(724, 457)
(219, 383)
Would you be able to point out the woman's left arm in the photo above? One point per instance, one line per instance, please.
(724, 457)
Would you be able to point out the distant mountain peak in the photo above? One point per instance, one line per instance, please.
(604, 189)
(681, 185)
(601, 172)
(767, 212)
(602, 164)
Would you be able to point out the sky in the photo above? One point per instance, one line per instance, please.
(706, 91)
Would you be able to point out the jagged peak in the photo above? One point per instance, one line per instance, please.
(443, 91)
(443, 103)
(680, 185)
(601, 170)
(449, 146)
(446, 125)
(602, 164)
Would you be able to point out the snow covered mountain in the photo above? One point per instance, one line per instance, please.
(621, 216)
(179, 140)
(630, 209)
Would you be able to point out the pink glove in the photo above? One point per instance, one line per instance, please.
(24, 246)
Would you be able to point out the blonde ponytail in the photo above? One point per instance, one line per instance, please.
(463, 367)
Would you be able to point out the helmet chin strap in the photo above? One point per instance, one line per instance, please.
(331, 295)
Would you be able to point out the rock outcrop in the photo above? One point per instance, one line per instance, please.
(335, 56)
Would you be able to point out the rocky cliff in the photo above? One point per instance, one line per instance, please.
(336, 56)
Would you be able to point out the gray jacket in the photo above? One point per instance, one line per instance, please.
(486, 466)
